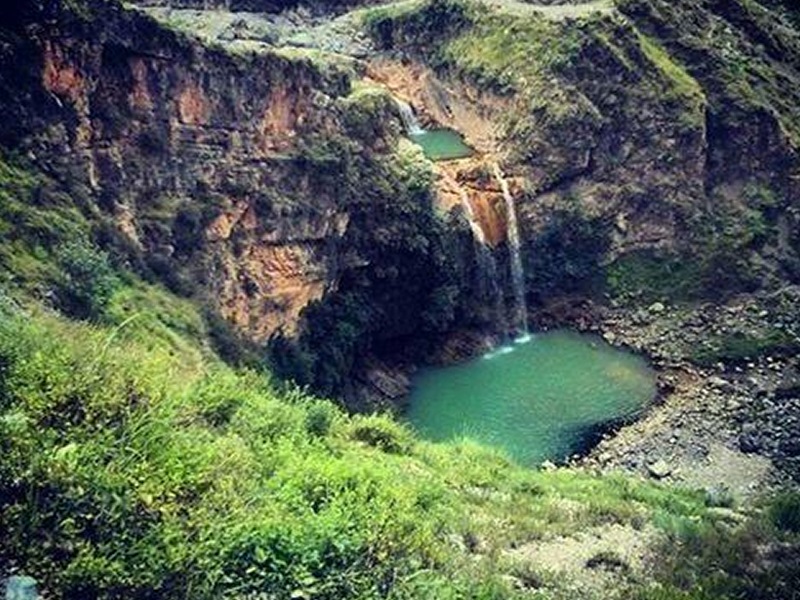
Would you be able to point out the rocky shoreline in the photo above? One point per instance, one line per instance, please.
(727, 418)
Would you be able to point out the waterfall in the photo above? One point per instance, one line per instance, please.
(520, 310)
(487, 266)
(410, 121)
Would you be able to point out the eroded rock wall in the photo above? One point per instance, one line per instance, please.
(191, 154)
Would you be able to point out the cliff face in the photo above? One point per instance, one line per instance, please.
(259, 183)
(651, 148)
(187, 152)
(667, 129)
(225, 175)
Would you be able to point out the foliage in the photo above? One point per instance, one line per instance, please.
(784, 512)
(712, 261)
(366, 112)
(653, 275)
(683, 83)
(742, 346)
(130, 471)
(85, 282)
(722, 560)
(142, 480)
(393, 26)
(35, 218)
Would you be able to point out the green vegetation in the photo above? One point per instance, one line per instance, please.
(715, 258)
(417, 23)
(725, 561)
(132, 467)
(739, 346)
(137, 463)
(785, 512)
(35, 219)
(684, 83)
(86, 281)
(648, 276)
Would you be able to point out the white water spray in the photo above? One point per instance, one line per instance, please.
(410, 121)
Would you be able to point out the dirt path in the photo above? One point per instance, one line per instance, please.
(554, 12)
(599, 562)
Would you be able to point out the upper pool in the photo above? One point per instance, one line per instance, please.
(441, 144)
(538, 400)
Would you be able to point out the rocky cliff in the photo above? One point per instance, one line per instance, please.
(668, 129)
(258, 182)
(651, 148)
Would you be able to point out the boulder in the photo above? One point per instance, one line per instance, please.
(659, 469)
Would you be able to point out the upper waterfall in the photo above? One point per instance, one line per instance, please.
(410, 121)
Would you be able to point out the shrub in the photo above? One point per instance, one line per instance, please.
(784, 512)
(319, 418)
(382, 432)
(86, 280)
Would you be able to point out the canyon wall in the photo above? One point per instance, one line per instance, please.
(655, 143)
(260, 184)
(652, 152)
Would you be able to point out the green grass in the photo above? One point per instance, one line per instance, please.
(135, 464)
(513, 54)
(683, 83)
(34, 220)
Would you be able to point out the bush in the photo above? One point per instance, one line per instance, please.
(382, 432)
(784, 512)
(86, 280)
(319, 418)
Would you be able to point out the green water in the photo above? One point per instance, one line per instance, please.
(540, 400)
(441, 144)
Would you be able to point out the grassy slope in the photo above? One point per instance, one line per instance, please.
(131, 467)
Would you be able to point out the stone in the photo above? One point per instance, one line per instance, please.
(749, 440)
(659, 469)
(610, 337)
(720, 383)
(21, 587)
(657, 308)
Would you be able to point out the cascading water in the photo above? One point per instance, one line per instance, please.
(520, 309)
(487, 266)
(409, 118)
